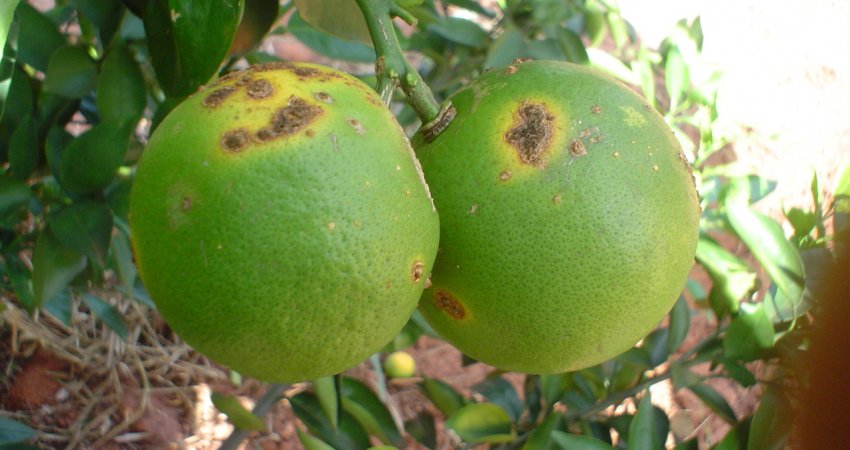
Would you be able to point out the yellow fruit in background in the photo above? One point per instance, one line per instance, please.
(399, 365)
(568, 216)
(280, 222)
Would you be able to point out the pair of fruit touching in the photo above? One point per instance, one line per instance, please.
(283, 227)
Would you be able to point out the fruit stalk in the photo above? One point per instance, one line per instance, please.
(392, 68)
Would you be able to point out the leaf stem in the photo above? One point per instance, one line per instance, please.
(392, 68)
(264, 405)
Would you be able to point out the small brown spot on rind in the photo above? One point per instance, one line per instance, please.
(596, 109)
(324, 97)
(531, 133)
(449, 304)
(287, 120)
(510, 70)
(234, 140)
(417, 271)
(258, 89)
(428, 282)
(357, 125)
(187, 203)
(505, 175)
(305, 72)
(217, 96)
(577, 148)
(521, 60)
(556, 199)
(473, 209)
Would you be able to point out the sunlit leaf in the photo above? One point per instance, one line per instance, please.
(482, 423)
(540, 438)
(236, 413)
(366, 407)
(675, 76)
(732, 278)
(328, 395)
(311, 442)
(772, 422)
(750, 333)
(642, 433)
(444, 397)
(567, 441)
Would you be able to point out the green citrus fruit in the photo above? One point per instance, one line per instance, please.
(281, 223)
(399, 365)
(568, 216)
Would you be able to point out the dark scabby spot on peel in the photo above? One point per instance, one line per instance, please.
(235, 140)
(305, 72)
(287, 120)
(577, 148)
(417, 271)
(531, 133)
(217, 96)
(505, 175)
(510, 70)
(449, 304)
(596, 109)
(324, 97)
(259, 89)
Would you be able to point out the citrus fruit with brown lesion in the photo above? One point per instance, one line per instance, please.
(568, 215)
(280, 222)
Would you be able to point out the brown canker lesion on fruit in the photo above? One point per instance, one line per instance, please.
(259, 89)
(217, 96)
(510, 70)
(357, 125)
(577, 148)
(289, 119)
(449, 304)
(235, 140)
(324, 97)
(186, 205)
(505, 175)
(306, 72)
(417, 271)
(556, 199)
(531, 133)
(596, 109)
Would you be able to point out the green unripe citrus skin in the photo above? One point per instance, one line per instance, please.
(400, 365)
(568, 215)
(281, 224)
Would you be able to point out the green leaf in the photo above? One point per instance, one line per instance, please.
(460, 31)
(328, 45)
(24, 149)
(54, 267)
(311, 442)
(656, 344)
(680, 322)
(14, 432)
(715, 402)
(106, 15)
(482, 423)
(327, 393)
(9, 31)
(572, 46)
(765, 239)
(772, 422)
(499, 391)
(257, 20)
(85, 227)
(552, 386)
(613, 66)
(341, 18)
(7, 13)
(121, 90)
(187, 41)
(841, 199)
(89, 162)
(18, 103)
(802, 221)
(71, 72)
(38, 37)
(737, 372)
(122, 262)
(507, 47)
(619, 29)
(682, 376)
(750, 333)
(642, 432)
(444, 397)
(366, 407)
(732, 279)
(675, 77)
(107, 313)
(21, 280)
(567, 441)
(423, 429)
(348, 436)
(237, 414)
(60, 307)
(540, 438)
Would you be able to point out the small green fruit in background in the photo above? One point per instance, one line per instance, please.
(568, 216)
(399, 365)
(280, 222)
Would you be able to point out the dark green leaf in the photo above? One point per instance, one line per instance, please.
(38, 36)
(85, 227)
(444, 397)
(107, 313)
(642, 430)
(690, 444)
(71, 72)
(499, 391)
(348, 436)
(89, 162)
(423, 429)
(750, 333)
(572, 46)
(104, 14)
(311, 442)
(533, 397)
(60, 307)
(122, 262)
(9, 31)
(18, 103)
(772, 422)
(736, 438)
(675, 77)
(366, 407)
(732, 279)
(460, 31)
(236, 413)
(257, 20)
(567, 441)
(680, 322)
(341, 18)
(482, 423)
(188, 41)
(656, 344)
(54, 266)
(545, 49)
(21, 279)
(506, 48)
(552, 386)
(540, 438)
(328, 45)
(328, 396)
(765, 239)
(121, 92)
(682, 376)
(715, 402)
(472, 5)
(24, 149)
(13, 432)
(738, 372)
